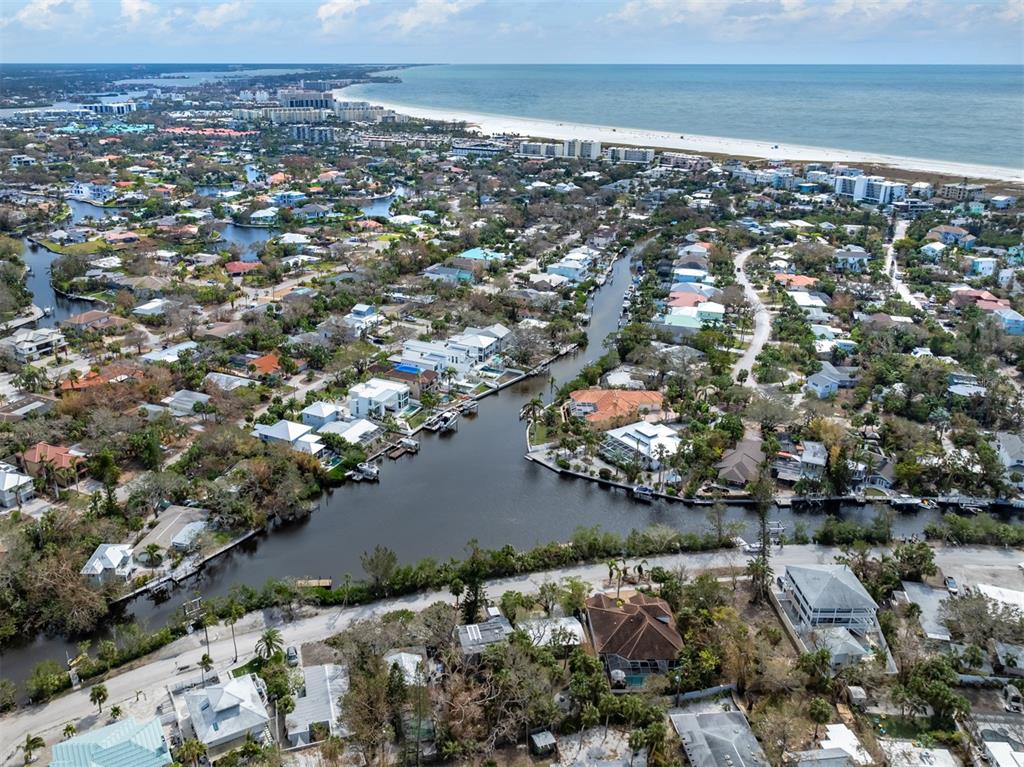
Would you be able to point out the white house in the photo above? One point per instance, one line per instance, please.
(933, 250)
(297, 436)
(30, 344)
(829, 595)
(376, 396)
(645, 443)
(320, 414)
(222, 715)
(356, 432)
(15, 487)
(362, 318)
(110, 560)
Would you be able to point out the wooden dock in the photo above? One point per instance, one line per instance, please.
(315, 583)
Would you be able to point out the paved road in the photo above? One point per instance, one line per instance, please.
(762, 321)
(167, 666)
(899, 232)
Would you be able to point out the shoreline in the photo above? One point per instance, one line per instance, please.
(735, 147)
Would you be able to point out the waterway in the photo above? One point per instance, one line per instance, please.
(474, 484)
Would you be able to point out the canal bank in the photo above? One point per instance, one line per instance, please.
(472, 485)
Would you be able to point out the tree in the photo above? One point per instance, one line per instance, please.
(235, 612)
(115, 712)
(191, 751)
(32, 744)
(70, 730)
(818, 667)
(820, 712)
(153, 553)
(98, 696)
(269, 644)
(915, 560)
(380, 565)
(205, 666)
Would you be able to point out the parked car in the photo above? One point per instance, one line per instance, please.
(292, 656)
(951, 585)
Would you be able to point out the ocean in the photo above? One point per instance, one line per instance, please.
(968, 114)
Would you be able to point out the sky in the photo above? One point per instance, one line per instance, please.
(515, 31)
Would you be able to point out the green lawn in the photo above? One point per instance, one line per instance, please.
(538, 433)
(80, 248)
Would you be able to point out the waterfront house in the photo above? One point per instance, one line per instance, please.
(604, 407)
(15, 488)
(128, 742)
(740, 465)
(376, 396)
(223, 715)
(357, 431)
(110, 561)
(647, 444)
(264, 217)
(318, 702)
(637, 636)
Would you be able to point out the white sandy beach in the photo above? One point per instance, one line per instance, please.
(609, 136)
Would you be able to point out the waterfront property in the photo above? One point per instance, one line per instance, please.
(110, 561)
(376, 397)
(645, 444)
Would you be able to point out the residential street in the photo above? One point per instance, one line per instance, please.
(762, 321)
(177, 662)
(899, 232)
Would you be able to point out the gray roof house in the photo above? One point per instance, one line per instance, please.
(718, 739)
(829, 595)
(223, 714)
(1010, 447)
(318, 702)
(110, 560)
(474, 638)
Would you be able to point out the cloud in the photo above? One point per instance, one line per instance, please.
(334, 13)
(47, 14)
(136, 11)
(219, 15)
(429, 13)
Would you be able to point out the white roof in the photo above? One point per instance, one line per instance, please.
(11, 478)
(282, 431)
(321, 409)
(1005, 596)
(842, 737)
(350, 431)
(108, 556)
(223, 712)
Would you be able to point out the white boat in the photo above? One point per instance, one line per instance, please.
(47, 311)
(409, 444)
(369, 470)
(643, 493)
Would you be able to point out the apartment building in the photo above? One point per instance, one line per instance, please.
(876, 190)
(631, 154)
(962, 192)
(691, 162)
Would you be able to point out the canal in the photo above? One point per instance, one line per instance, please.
(474, 484)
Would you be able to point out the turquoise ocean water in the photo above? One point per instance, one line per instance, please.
(972, 114)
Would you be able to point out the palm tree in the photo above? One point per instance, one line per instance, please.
(205, 665)
(190, 751)
(98, 696)
(153, 553)
(269, 644)
(115, 712)
(235, 613)
(32, 744)
(70, 730)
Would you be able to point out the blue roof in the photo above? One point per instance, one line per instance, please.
(481, 254)
(128, 743)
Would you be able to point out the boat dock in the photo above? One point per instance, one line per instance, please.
(315, 583)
